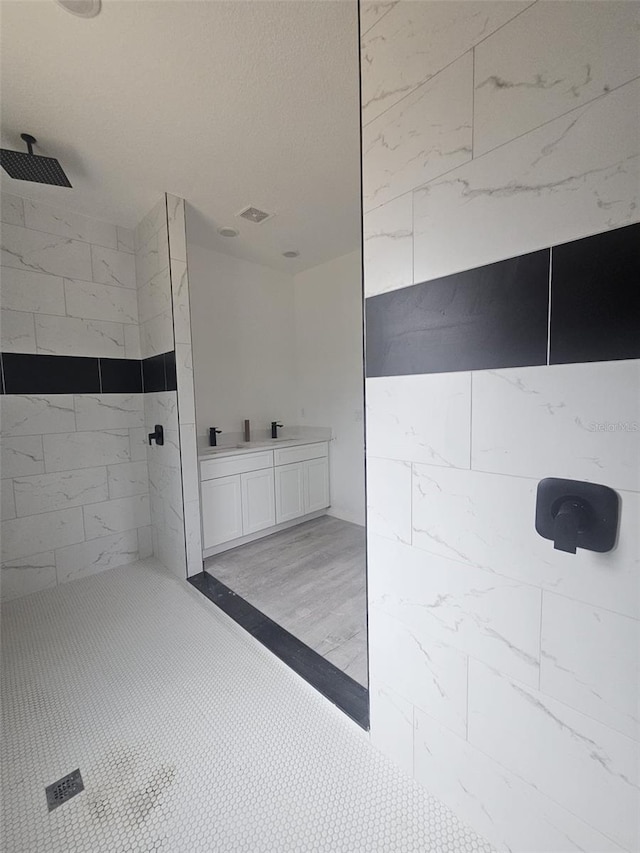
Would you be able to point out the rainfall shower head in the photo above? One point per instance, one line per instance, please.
(31, 167)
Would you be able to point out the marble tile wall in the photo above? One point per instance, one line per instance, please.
(74, 484)
(184, 376)
(504, 674)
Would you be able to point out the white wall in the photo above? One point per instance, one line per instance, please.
(243, 342)
(504, 674)
(329, 372)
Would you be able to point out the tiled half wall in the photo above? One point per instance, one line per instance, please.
(501, 146)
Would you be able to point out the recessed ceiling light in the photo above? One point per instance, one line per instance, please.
(225, 231)
(81, 8)
(291, 254)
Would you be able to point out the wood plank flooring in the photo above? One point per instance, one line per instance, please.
(309, 579)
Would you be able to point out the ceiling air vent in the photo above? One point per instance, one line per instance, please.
(253, 214)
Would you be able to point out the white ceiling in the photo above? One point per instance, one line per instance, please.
(223, 103)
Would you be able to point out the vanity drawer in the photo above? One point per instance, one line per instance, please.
(213, 468)
(287, 455)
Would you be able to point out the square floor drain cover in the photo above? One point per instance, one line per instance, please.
(64, 789)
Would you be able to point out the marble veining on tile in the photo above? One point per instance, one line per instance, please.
(64, 223)
(388, 246)
(423, 136)
(36, 251)
(23, 290)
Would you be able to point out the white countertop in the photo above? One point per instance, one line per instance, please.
(255, 447)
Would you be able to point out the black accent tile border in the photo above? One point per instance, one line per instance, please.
(27, 373)
(50, 374)
(343, 691)
(595, 298)
(498, 315)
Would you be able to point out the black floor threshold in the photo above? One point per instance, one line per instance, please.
(343, 691)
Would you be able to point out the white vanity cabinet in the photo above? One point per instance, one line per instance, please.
(302, 480)
(249, 495)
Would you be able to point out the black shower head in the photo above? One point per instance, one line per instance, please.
(31, 167)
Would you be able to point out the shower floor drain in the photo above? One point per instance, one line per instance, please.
(64, 789)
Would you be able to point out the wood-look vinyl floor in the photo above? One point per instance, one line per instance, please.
(310, 579)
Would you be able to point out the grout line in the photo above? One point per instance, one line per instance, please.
(413, 237)
(444, 67)
(413, 740)
(549, 306)
(411, 504)
(466, 734)
(471, 420)
(540, 642)
(473, 99)
(375, 23)
(100, 376)
(508, 142)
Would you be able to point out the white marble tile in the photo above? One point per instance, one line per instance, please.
(388, 246)
(420, 418)
(161, 407)
(32, 291)
(189, 459)
(425, 135)
(177, 230)
(156, 335)
(509, 813)
(101, 302)
(567, 420)
(116, 516)
(591, 661)
(372, 10)
(193, 537)
(109, 411)
(36, 414)
(544, 188)
(73, 336)
(7, 500)
(414, 41)
(48, 492)
(154, 297)
(389, 499)
(145, 543)
(132, 342)
(186, 389)
(584, 766)
(151, 224)
(429, 674)
(490, 617)
(487, 520)
(391, 724)
(181, 303)
(34, 534)
(88, 558)
(126, 239)
(36, 251)
(12, 209)
(138, 439)
(17, 331)
(27, 575)
(152, 257)
(128, 479)
(552, 58)
(70, 451)
(21, 455)
(112, 267)
(64, 223)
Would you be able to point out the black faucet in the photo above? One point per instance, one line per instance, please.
(274, 428)
(213, 433)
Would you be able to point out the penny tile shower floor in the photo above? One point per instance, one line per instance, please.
(189, 736)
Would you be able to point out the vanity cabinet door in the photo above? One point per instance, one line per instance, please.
(221, 510)
(258, 505)
(316, 484)
(289, 491)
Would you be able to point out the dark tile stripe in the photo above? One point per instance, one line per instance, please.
(121, 376)
(50, 374)
(595, 298)
(492, 316)
(347, 694)
(27, 373)
(496, 316)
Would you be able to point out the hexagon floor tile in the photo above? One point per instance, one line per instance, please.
(189, 735)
